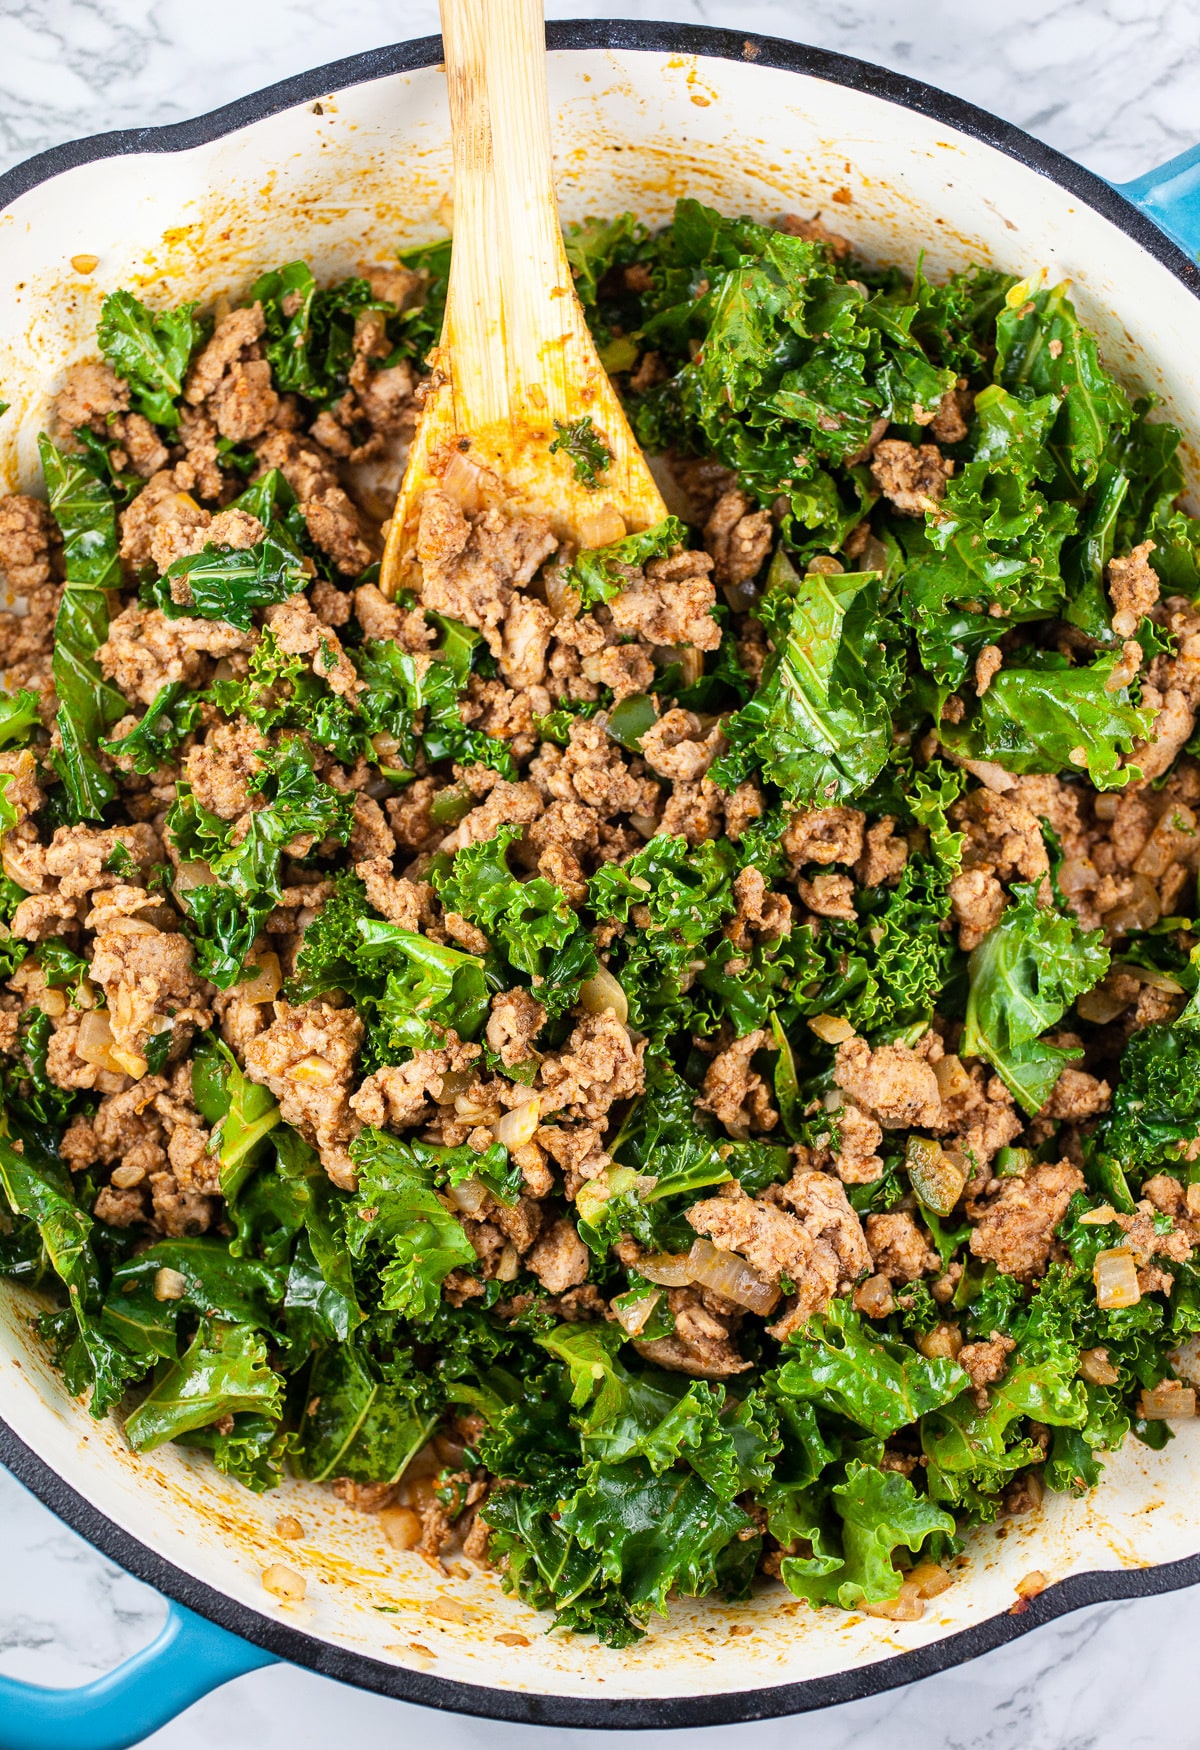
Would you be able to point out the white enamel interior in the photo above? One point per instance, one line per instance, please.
(343, 188)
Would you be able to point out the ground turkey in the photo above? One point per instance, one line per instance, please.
(1016, 1228)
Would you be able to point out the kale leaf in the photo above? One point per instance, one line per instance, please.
(151, 349)
(1024, 975)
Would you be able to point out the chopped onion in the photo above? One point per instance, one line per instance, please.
(401, 1527)
(952, 1078)
(1098, 1217)
(463, 482)
(564, 603)
(284, 1584)
(601, 527)
(1169, 1402)
(943, 1342)
(313, 1071)
(728, 1275)
(601, 994)
(938, 1176)
(875, 1298)
(264, 987)
(1159, 850)
(194, 874)
(906, 1606)
(1150, 976)
(469, 1196)
(929, 1580)
(509, 1264)
(1141, 911)
(94, 1041)
(1100, 1006)
(1115, 1276)
(635, 1316)
(831, 1028)
(127, 926)
(1096, 1368)
(169, 1285)
(668, 1269)
(518, 1126)
(1078, 875)
(1105, 807)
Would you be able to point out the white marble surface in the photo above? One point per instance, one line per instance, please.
(1115, 83)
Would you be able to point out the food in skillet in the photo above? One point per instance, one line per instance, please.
(650, 1066)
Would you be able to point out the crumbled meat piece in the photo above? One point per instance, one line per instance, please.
(335, 525)
(380, 618)
(508, 804)
(91, 392)
(200, 470)
(599, 1065)
(701, 1343)
(371, 838)
(823, 835)
(987, 666)
(308, 469)
(738, 538)
(306, 1058)
(120, 1208)
(220, 768)
(590, 769)
(828, 895)
(77, 855)
(559, 1260)
(159, 524)
(515, 1021)
(891, 1084)
(1174, 721)
(761, 916)
(148, 981)
(838, 1244)
(25, 532)
(526, 638)
(985, 1363)
(898, 1248)
(692, 811)
(401, 1095)
(671, 603)
(981, 1118)
(813, 231)
(1132, 588)
(244, 403)
(1003, 835)
(882, 862)
(977, 903)
(144, 650)
(298, 632)
(626, 668)
(676, 747)
(1016, 1228)
(857, 1161)
(735, 1094)
(401, 902)
(743, 807)
(409, 817)
(912, 479)
(471, 562)
(1077, 1095)
(233, 334)
(949, 423)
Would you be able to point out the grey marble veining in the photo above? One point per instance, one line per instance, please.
(1114, 83)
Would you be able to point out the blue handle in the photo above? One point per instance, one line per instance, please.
(1170, 196)
(122, 1708)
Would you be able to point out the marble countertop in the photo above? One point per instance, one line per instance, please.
(1115, 83)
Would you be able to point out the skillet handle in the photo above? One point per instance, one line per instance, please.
(190, 1657)
(1170, 196)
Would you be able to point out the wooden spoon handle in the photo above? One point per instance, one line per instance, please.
(510, 324)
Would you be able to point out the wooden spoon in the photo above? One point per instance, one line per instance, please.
(515, 352)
